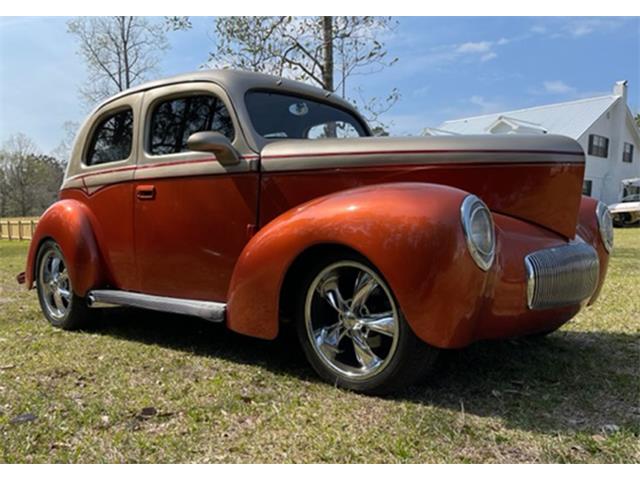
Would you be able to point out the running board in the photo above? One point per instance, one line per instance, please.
(212, 311)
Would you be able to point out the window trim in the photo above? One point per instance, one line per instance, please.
(624, 152)
(88, 139)
(591, 146)
(150, 108)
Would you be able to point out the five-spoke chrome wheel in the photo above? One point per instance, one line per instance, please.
(351, 320)
(54, 284)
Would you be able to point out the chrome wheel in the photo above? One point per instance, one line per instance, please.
(351, 320)
(54, 284)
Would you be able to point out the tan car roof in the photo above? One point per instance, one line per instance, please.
(237, 82)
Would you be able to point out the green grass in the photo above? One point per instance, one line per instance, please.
(219, 397)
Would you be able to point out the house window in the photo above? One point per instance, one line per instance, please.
(111, 139)
(598, 146)
(586, 187)
(173, 121)
(627, 153)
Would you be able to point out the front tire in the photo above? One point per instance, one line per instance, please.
(60, 305)
(352, 331)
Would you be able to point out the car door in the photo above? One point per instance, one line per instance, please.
(100, 176)
(192, 215)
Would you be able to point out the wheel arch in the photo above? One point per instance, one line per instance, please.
(295, 273)
(69, 224)
(411, 232)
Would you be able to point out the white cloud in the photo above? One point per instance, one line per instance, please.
(482, 51)
(587, 26)
(474, 47)
(486, 106)
(557, 87)
(577, 27)
(422, 91)
(539, 29)
(488, 56)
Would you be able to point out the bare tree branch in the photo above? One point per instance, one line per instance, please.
(118, 51)
(303, 49)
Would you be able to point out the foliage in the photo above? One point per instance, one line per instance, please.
(325, 51)
(144, 387)
(119, 52)
(29, 181)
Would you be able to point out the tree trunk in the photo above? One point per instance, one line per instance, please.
(327, 60)
(327, 66)
(124, 38)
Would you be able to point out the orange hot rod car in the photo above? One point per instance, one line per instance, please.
(256, 201)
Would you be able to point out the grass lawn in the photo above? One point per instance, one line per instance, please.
(145, 387)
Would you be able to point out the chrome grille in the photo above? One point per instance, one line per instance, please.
(561, 276)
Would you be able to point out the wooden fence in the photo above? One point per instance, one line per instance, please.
(17, 229)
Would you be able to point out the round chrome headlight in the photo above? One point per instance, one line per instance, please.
(477, 225)
(605, 225)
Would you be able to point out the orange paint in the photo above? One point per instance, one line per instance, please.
(192, 239)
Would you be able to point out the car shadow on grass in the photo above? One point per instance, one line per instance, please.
(566, 382)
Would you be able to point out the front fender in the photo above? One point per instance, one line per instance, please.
(588, 229)
(410, 231)
(68, 223)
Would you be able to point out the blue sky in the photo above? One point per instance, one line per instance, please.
(448, 68)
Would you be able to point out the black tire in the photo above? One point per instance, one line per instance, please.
(75, 313)
(408, 363)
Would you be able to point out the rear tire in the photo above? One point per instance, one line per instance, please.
(352, 331)
(61, 306)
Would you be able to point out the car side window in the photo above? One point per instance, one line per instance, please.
(173, 121)
(112, 139)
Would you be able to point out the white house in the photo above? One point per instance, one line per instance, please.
(604, 126)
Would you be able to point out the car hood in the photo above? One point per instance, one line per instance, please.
(624, 207)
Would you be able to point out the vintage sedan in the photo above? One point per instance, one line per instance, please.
(258, 202)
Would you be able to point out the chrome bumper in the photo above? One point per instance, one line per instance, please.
(561, 276)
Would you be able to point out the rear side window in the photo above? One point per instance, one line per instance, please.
(173, 121)
(111, 139)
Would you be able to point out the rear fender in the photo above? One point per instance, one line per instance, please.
(69, 223)
(410, 231)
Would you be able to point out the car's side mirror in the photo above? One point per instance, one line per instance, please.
(216, 143)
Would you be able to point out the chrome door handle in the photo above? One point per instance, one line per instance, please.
(145, 192)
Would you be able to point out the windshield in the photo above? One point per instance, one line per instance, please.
(277, 115)
(631, 198)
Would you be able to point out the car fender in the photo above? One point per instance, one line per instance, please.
(69, 223)
(411, 232)
(589, 231)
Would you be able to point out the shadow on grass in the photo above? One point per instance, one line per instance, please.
(568, 381)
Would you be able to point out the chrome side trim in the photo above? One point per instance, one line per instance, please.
(561, 276)
(531, 280)
(212, 311)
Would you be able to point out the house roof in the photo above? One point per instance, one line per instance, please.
(517, 125)
(434, 132)
(569, 118)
